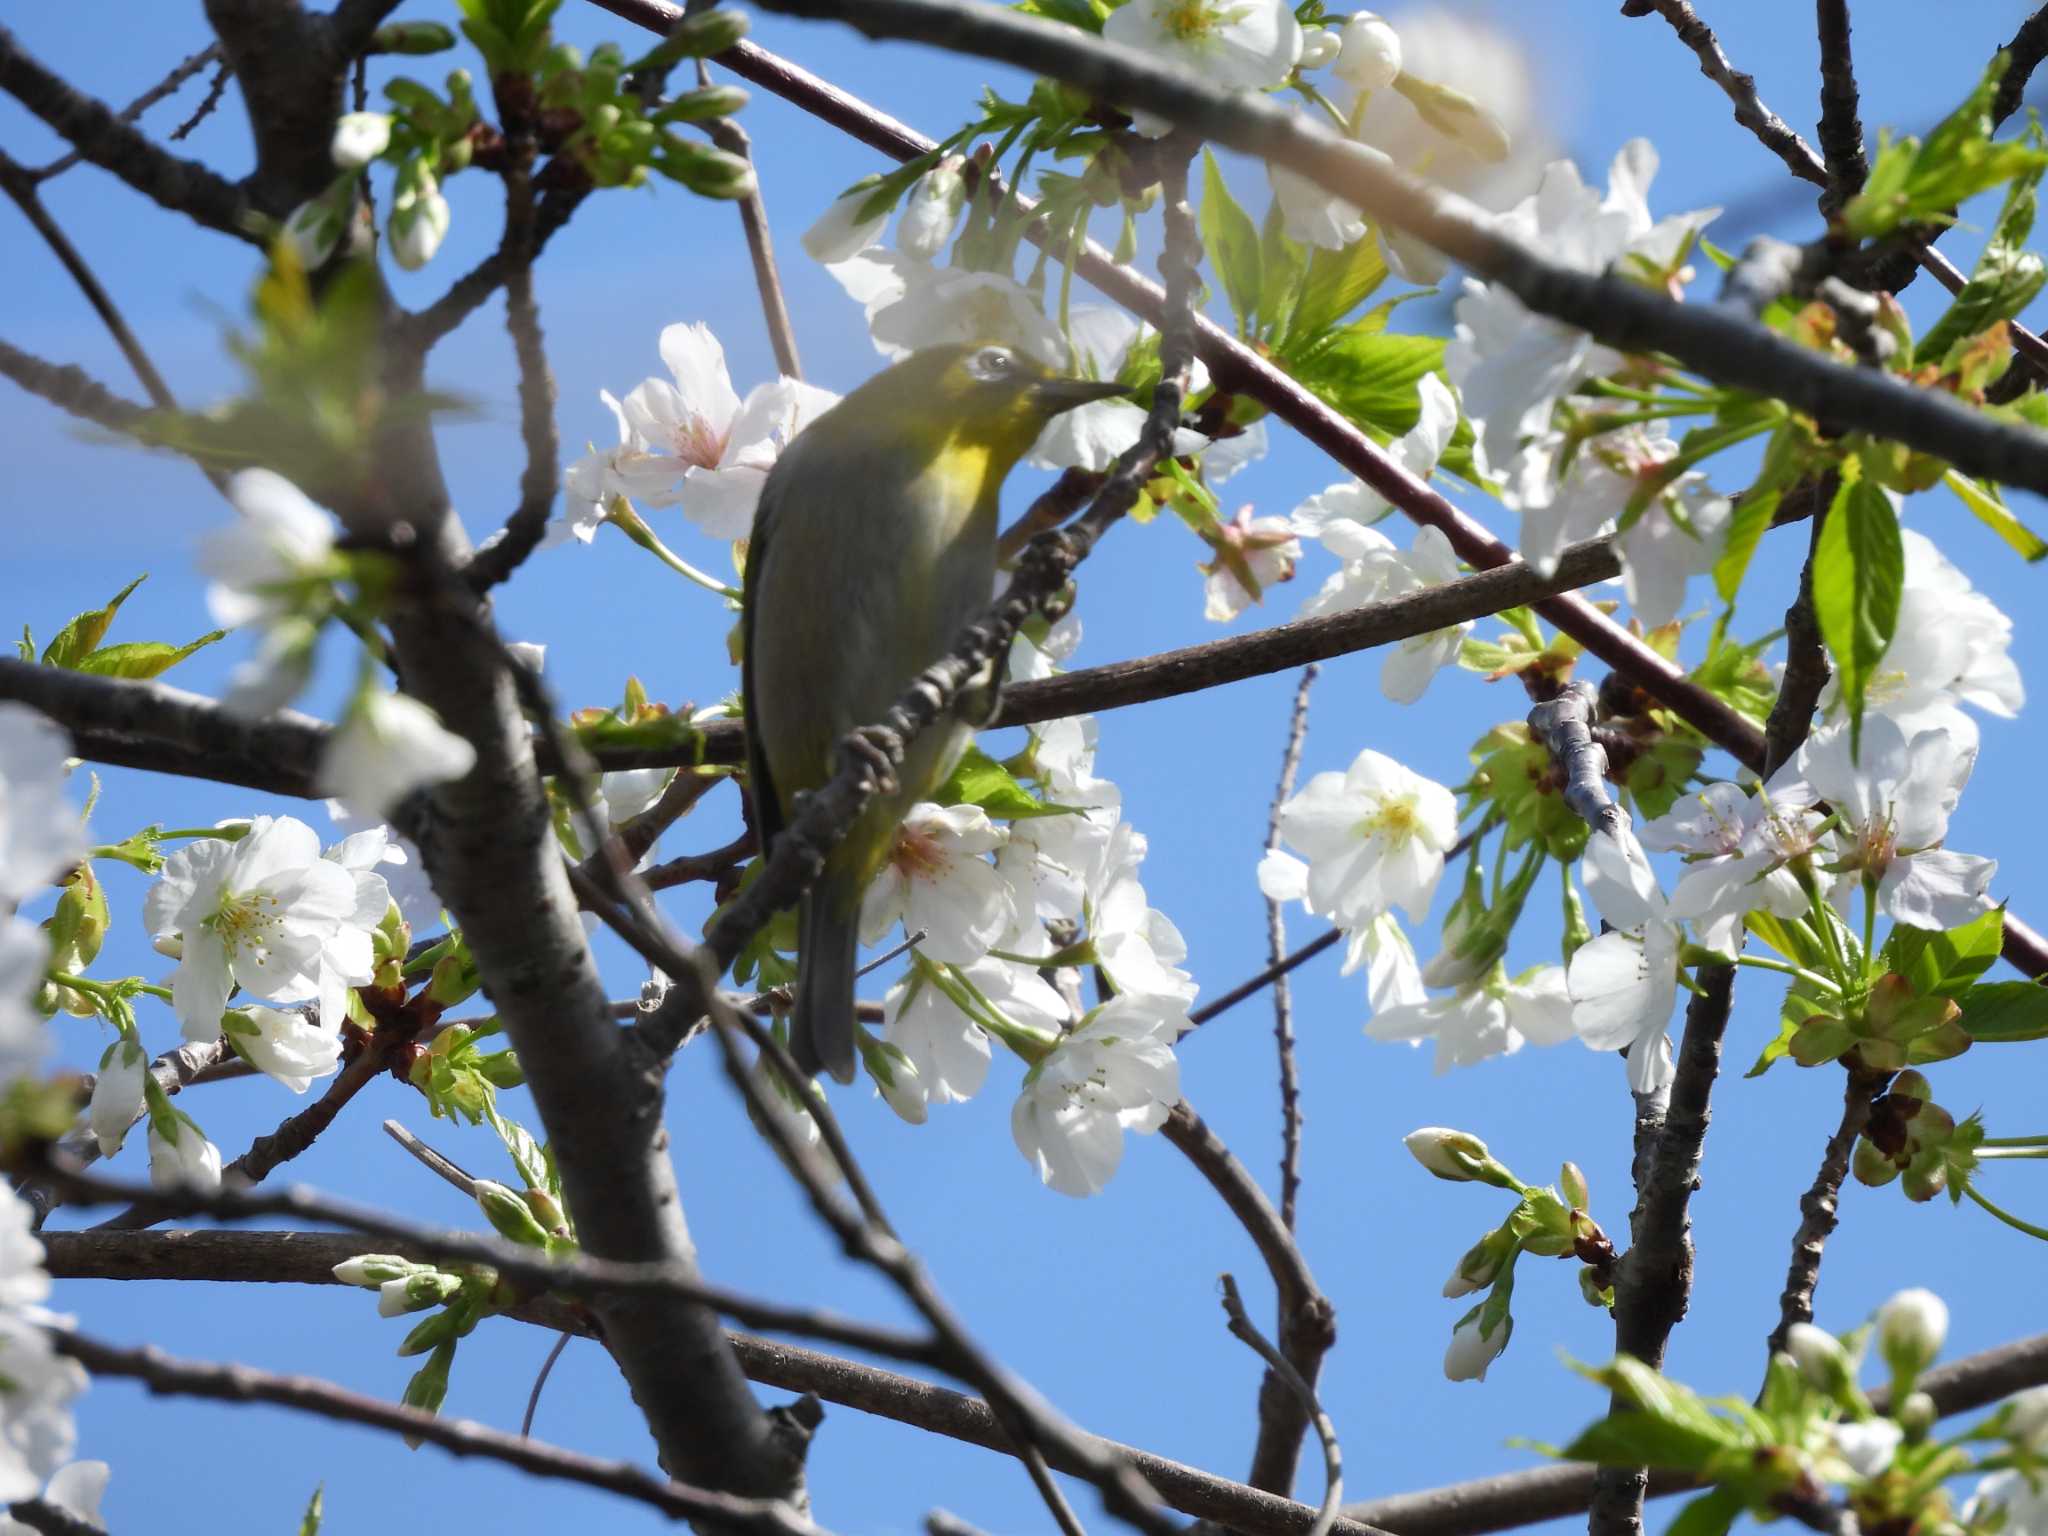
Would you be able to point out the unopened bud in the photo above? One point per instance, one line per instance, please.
(1319, 47)
(1916, 1415)
(2028, 1419)
(1572, 1181)
(512, 1216)
(1456, 116)
(1911, 1328)
(359, 138)
(415, 1292)
(932, 210)
(1370, 56)
(1457, 1156)
(1820, 1358)
(415, 37)
(371, 1270)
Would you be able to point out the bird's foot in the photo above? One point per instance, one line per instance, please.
(876, 748)
(981, 699)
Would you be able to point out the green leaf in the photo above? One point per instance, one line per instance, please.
(309, 1523)
(1708, 1515)
(2007, 278)
(1088, 15)
(1282, 262)
(143, 658)
(1946, 964)
(1992, 511)
(1859, 570)
(980, 780)
(77, 640)
(1914, 181)
(1645, 1440)
(1232, 243)
(1337, 283)
(1753, 514)
(2006, 1010)
(1371, 376)
(25, 647)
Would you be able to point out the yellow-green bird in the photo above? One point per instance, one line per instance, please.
(874, 544)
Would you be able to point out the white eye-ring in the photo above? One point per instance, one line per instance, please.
(991, 364)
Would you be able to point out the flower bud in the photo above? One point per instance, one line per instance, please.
(932, 210)
(1911, 1328)
(1916, 1415)
(1471, 1351)
(1319, 47)
(1456, 1156)
(2027, 1420)
(1571, 1180)
(429, 1385)
(1480, 1265)
(1868, 1446)
(359, 138)
(415, 1292)
(512, 1216)
(1456, 116)
(1820, 1357)
(1370, 56)
(117, 1094)
(414, 37)
(847, 227)
(373, 1270)
(419, 222)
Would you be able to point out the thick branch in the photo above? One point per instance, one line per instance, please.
(2027, 48)
(1841, 125)
(91, 127)
(167, 1376)
(1308, 1322)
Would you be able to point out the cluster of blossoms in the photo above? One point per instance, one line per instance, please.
(999, 905)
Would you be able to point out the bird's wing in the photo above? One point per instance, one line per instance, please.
(760, 786)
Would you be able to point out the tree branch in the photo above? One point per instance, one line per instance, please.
(1276, 951)
(1771, 130)
(1819, 1207)
(1841, 126)
(2028, 47)
(1279, 1365)
(182, 71)
(732, 138)
(165, 1375)
(1308, 1322)
(171, 181)
(71, 389)
(308, 1258)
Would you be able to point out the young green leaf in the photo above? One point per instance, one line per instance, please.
(1859, 571)
(1915, 182)
(1371, 376)
(143, 658)
(1282, 264)
(1337, 283)
(980, 780)
(1946, 964)
(78, 639)
(1232, 243)
(2007, 278)
(1992, 511)
(2006, 1011)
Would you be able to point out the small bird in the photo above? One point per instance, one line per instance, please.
(874, 544)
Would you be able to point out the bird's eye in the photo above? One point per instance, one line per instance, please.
(991, 364)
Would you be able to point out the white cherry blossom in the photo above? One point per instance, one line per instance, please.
(1951, 647)
(1735, 862)
(1371, 56)
(77, 1488)
(1250, 46)
(24, 957)
(1136, 945)
(1252, 554)
(1623, 983)
(37, 1387)
(1893, 807)
(1510, 366)
(1490, 1016)
(911, 304)
(183, 1157)
(1417, 450)
(41, 835)
(1091, 436)
(948, 1049)
(939, 880)
(2020, 1504)
(1309, 213)
(1117, 1072)
(263, 569)
(389, 745)
(359, 138)
(1412, 664)
(931, 211)
(1374, 836)
(842, 230)
(288, 1046)
(257, 913)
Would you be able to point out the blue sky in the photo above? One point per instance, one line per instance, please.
(1108, 1305)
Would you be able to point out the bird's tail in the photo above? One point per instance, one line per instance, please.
(821, 1030)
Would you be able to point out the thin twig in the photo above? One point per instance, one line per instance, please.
(1276, 951)
(168, 1376)
(431, 1160)
(216, 88)
(732, 138)
(1820, 1206)
(547, 1367)
(1806, 659)
(1265, 978)
(182, 71)
(1333, 1453)
(70, 388)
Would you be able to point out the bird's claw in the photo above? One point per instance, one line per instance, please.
(875, 747)
(979, 701)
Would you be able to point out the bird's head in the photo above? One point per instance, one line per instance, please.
(993, 398)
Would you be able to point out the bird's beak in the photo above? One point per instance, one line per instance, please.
(1056, 395)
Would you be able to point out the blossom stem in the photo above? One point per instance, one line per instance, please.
(1315, 96)
(1765, 963)
(1970, 1189)
(2014, 1141)
(687, 571)
(2009, 1154)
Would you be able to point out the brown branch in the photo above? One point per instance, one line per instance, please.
(165, 1375)
(732, 138)
(1307, 1320)
(1841, 126)
(417, 333)
(1276, 951)
(1819, 1207)
(100, 136)
(1806, 658)
(166, 87)
(2028, 47)
(1771, 130)
(216, 88)
(308, 1258)
(69, 388)
(1242, 1327)
(537, 483)
(20, 188)
(52, 1519)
